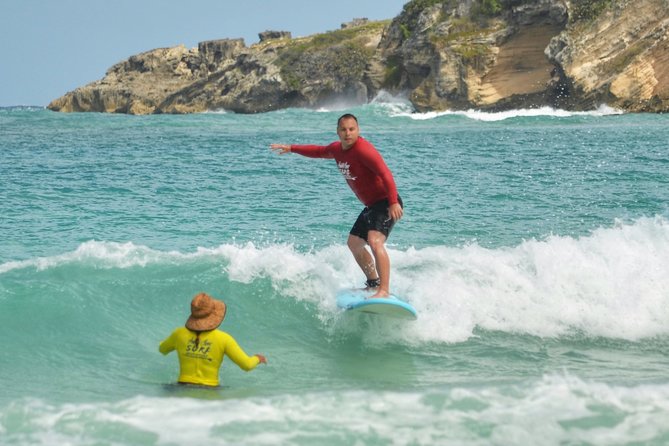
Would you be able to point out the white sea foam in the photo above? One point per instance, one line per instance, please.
(478, 115)
(100, 254)
(400, 106)
(554, 409)
(612, 283)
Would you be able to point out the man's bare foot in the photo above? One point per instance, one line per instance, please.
(380, 294)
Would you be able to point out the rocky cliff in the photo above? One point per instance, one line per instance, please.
(483, 54)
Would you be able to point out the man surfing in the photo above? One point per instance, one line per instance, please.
(372, 182)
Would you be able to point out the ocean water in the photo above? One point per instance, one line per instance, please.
(535, 247)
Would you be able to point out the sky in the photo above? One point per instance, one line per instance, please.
(50, 47)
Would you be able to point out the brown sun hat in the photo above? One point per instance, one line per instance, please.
(206, 313)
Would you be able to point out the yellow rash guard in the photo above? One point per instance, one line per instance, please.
(200, 365)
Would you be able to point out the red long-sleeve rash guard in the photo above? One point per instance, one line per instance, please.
(361, 165)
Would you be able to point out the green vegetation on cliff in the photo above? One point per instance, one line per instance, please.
(587, 9)
(480, 11)
(338, 55)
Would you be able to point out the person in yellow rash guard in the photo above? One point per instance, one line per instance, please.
(201, 347)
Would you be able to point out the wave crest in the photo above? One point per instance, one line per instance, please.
(612, 283)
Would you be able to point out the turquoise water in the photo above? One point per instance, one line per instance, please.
(535, 247)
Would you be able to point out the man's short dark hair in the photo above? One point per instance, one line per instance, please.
(346, 116)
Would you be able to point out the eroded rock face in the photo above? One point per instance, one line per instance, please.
(441, 57)
(621, 58)
(458, 60)
(138, 85)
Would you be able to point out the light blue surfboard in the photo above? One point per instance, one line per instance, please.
(354, 300)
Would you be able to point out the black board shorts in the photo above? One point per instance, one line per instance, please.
(374, 217)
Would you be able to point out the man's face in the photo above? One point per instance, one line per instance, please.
(348, 132)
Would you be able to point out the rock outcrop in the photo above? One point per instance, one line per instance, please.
(621, 58)
(271, 35)
(488, 55)
(138, 85)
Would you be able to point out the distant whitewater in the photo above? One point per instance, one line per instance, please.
(534, 247)
(400, 106)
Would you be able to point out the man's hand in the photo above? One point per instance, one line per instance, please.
(280, 148)
(395, 211)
